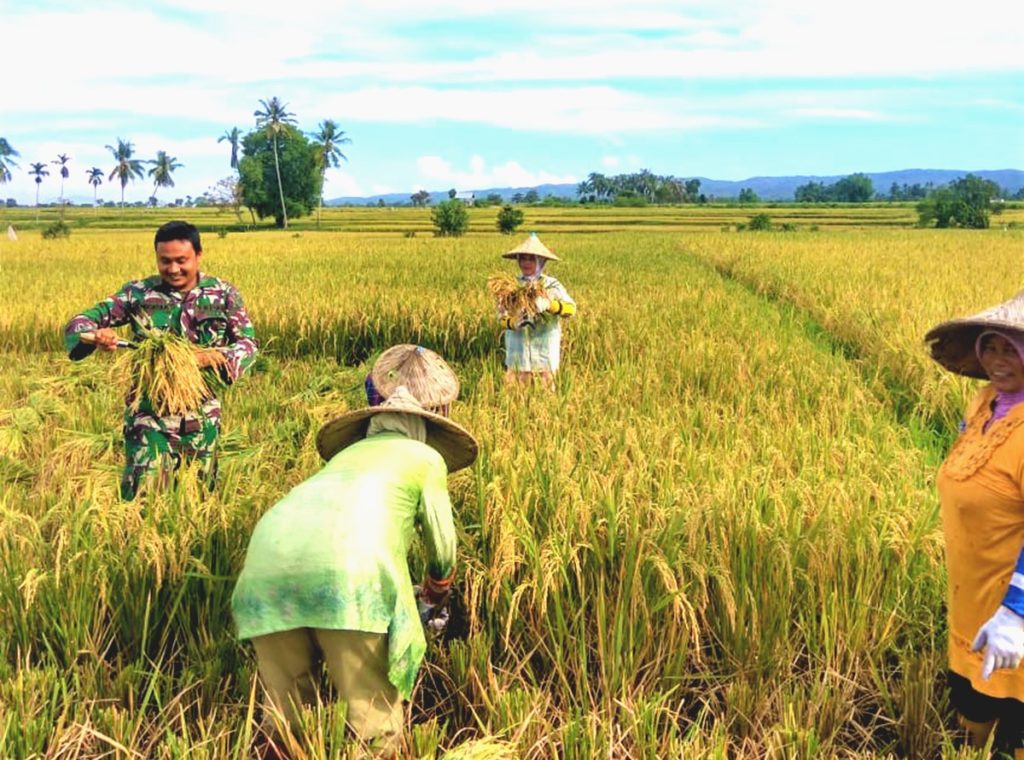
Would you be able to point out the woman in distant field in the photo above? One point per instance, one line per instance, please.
(533, 345)
(981, 489)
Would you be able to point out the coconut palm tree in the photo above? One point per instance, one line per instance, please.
(38, 171)
(233, 136)
(328, 138)
(163, 167)
(599, 184)
(127, 168)
(95, 175)
(6, 162)
(273, 120)
(62, 162)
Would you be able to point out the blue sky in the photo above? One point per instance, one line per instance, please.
(473, 94)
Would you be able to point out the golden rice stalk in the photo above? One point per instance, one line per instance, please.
(163, 369)
(515, 298)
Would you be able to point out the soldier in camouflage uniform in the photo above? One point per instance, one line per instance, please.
(205, 310)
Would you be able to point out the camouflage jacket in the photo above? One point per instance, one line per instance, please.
(211, 315)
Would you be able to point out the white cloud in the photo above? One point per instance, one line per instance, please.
(589, 110)
(437, 171)
(340, 184)
(844, 114)
(155, 71)
(1000, 104)
(610, 162)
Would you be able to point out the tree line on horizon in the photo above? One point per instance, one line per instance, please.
(290, 184)
(281, 173)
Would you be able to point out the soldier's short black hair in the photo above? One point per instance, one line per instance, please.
(178, 230)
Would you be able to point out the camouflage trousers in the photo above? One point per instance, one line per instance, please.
(156, 447)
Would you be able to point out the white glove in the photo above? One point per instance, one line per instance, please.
(1002, 638)
(542, 304)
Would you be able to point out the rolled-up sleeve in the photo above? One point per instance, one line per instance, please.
(113, 311)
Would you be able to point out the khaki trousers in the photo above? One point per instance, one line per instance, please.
(357, 664)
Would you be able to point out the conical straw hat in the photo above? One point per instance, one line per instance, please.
(426, 375)
(532, 245)
(452, 441)
(953, 343)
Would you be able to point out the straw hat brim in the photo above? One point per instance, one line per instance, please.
(452, 441)
(952, 343)
(531, 245)
(429, 379)
(515, 254)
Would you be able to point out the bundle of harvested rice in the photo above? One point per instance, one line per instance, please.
(515, 298)
(164, 369)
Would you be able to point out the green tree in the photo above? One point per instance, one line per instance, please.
(584, 189)
(692, 190)
(760, 223)
(279, 174)
(420, 198)
(6, 161)
(509, 218)
(274, 119)
(671, 190)
(163, 167)
(126, 169)
(95, 178)
(532, 196)
(811, 192)
(965, 202)
(450, 218)
(452, 193)
(856, 188)
(234, 138)
(38, 171)
(327, 139)
(747, 195)
(602, 186)
(62, 161)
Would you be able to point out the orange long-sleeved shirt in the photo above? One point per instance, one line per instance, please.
(980, 490)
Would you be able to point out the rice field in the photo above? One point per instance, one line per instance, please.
(718, 536)
(573, 219)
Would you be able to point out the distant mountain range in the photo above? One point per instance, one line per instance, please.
(767, 188)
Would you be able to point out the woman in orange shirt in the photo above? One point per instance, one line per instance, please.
(981, 489)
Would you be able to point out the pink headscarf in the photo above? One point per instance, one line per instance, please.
(1004, 401)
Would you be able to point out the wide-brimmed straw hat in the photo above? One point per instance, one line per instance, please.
(532, 245)
(452, 441)
(953, 343)
(422, 371)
